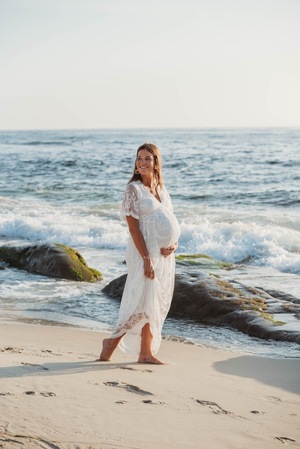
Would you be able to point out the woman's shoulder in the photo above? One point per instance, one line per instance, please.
(134, 183)
(133, 187)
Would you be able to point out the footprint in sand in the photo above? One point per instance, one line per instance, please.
(35, 365)
(149, 401)
(17, 441)
(139, 370)
(47, 394)
(217, 409)
(274, 399)
(146, 401)
(47, 352)
(214, 407)
(6, 394)
(128, 387)
(285, 440)
(12, 349)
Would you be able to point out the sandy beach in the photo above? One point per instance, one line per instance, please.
(55, 394)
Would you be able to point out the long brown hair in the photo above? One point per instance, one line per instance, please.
(157, 164)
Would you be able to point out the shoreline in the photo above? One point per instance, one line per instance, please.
(53, 392)
(210, 337)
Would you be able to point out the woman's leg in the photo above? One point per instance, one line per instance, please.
(146, 355)
(108, 347)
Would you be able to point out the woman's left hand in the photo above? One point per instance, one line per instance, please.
(167, 251)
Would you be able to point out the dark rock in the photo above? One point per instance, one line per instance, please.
(207, 299)
(283, 296)
(115, 288)
(54, 260)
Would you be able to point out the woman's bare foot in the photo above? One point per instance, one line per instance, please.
(150, 359)
(108, 347)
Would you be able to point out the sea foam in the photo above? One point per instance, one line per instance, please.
(71, 226)
(244, 242)
(239, 241)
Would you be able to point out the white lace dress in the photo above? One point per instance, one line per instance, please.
(147, 300)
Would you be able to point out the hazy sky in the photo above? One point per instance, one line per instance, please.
(149, 63)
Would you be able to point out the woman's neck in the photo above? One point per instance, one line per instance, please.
(148, 181)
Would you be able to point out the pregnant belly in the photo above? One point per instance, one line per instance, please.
(167, 228)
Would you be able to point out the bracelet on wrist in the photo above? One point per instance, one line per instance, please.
(146, 257)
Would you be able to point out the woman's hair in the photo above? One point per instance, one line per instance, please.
(157, 164)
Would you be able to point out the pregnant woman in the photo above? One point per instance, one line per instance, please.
(153, 237)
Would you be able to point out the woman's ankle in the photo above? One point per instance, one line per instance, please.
(108, 347)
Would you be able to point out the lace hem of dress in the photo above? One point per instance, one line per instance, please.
(133, 321)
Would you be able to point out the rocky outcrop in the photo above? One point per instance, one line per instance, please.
(207, 299)
(54, 260)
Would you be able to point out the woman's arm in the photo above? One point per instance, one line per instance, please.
(138, 239)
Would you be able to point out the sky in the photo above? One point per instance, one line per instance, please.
(79, 64)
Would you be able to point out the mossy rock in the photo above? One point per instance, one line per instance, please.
(204, 261)
(54, 260)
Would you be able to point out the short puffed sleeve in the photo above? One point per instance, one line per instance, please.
(130, 204)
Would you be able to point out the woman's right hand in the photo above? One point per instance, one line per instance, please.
(149, 269)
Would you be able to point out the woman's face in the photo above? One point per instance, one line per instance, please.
(145, 162)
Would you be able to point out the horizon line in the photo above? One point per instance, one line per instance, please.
(154, 128)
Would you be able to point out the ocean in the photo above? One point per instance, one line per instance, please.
(236, 194)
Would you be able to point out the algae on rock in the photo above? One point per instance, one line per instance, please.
(204, 261)
(54, 260)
